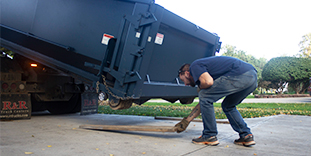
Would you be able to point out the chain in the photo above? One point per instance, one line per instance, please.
(107, 88)
(97, 87)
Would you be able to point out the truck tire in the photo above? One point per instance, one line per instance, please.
(37, 106)
(186, 100)
(65, 107)
(117, 104)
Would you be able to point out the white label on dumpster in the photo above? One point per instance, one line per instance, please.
(137, 35)
(159, 39)
(106, 39)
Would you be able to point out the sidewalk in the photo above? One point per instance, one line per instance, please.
(51, 135)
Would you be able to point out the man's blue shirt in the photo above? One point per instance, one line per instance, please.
(218, 66)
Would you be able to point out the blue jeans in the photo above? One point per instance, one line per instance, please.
(235, 89)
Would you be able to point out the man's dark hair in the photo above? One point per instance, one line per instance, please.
(183, 68)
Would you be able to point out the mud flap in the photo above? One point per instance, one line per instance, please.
(89, 103)
(15, 106)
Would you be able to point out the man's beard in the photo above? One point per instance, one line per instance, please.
(192, 84)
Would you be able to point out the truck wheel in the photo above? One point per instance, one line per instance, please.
(117, 104)
(186, 100)
(64, 107)
(37, 106)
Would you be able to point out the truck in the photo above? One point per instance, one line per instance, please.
(67, 53)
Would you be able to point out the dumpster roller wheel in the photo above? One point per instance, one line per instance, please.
(117, 104)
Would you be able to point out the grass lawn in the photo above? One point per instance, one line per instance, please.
(247, 110)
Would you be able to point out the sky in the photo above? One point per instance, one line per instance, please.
(264, 29)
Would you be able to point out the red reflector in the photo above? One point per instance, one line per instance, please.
(34, 65)
(13, 86)
(5, 86)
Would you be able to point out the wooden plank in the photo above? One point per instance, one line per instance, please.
(194, 120)
(130, 128)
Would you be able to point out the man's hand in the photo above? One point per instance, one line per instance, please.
(182, 125)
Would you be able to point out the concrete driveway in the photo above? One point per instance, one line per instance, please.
(60, 135)
(261, 100)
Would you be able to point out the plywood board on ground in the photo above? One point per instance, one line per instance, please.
(130, 128)
(194, 120)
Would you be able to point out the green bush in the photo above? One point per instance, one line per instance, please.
(291, 70)
(255, 92)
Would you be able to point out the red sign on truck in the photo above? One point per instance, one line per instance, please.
(15, 106)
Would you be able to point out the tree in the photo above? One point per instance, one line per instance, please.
(263, 85)
(230, 50)
(305, 46)
(292, 70)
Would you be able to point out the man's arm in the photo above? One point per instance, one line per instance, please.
(183, 124)
(206, 80)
